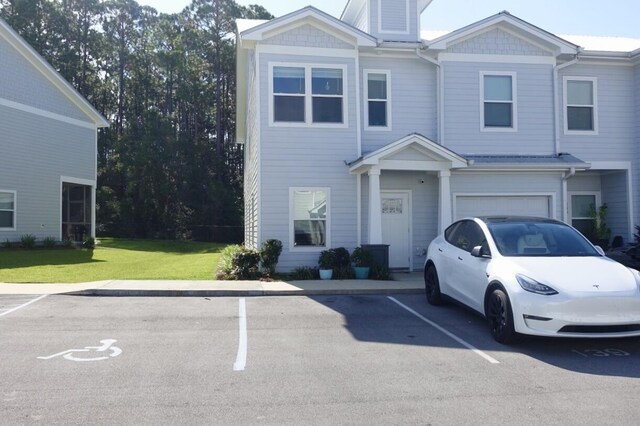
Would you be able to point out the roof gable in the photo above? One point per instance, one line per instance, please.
(513, 25)
(309, 15)
(56, 80)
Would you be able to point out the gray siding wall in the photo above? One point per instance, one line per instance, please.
(616, 119)
(497, 42)
(424, 197)
(307, 157)
(614, 194)
(34, 153)
(30, 87)
(413, 100)
(509, 183)
(394, 20)
(585, 181)
(535, 133)
(308, 36)
(251, 157)
(361, 19)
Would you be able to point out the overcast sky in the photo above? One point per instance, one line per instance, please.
(619, 18)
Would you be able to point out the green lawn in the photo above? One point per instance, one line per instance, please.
(113, 258)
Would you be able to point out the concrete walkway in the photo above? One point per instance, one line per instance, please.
(402, 283)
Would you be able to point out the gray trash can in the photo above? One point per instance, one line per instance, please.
(379, 252)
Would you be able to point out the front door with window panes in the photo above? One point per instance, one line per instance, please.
(582, 206)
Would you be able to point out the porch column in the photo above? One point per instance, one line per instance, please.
(445, 216)
(375, 207)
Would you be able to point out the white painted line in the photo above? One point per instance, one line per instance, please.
(241, 358)
(448, 333)
(23, 305)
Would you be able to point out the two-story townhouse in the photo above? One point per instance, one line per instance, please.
(358, 131)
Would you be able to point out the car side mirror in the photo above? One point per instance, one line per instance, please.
(599, 250)
(478, 251)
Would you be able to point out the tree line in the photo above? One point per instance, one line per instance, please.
(168, 166)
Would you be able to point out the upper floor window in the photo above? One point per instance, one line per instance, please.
(498, 93)
(580, 95)
(7, 210)
(307, 95)
(378, 99)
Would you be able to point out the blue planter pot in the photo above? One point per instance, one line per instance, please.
(362, 272)
(326, 274)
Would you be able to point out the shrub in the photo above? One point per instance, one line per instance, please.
(89, 243)
(49, 242)
(380, 273)
(28, 241)
(362, 257)
(327, 259)
(67, 243)
(237, 263)
(342, 258)
(269, 256)
(304, 273)
(6, 244)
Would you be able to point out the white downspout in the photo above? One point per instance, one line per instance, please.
(439, 94)
(565, 196)
(556, 101)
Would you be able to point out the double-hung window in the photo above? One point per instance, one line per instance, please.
(7, 210)
(378, 99)
(498, 93)
(307, 95)
(309, 216)
(580, 95)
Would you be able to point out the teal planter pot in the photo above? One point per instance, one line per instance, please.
(326, 274)
(362, 272)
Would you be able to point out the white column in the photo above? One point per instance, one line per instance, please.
(445, 216)
(375, 207)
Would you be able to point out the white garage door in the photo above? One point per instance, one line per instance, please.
(491, 205)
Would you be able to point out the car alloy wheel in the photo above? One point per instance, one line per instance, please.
(500, 317)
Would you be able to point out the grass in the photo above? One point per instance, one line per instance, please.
(112, 259)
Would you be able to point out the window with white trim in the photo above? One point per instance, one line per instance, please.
(309, 217)
(307, 95)
(7, 210)
(582, 211)
(378, 98)
(498, 94)
(580, 94)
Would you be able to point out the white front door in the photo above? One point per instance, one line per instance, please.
(396, 227)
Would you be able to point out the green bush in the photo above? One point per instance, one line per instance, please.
(238, 263)
(304, 273)
(378, 272)
(269, 256)
(327, 259)
(67, 242)
(49, 242)
(6, 244)
(362, 257)
(89, 243)
(342, 258)
(28, 241)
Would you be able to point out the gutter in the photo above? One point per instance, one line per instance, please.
(439, 93)
(565, 195)
(556, 101)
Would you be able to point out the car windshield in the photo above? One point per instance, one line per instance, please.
(539, 239)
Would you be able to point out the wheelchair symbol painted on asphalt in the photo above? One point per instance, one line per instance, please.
(69, 354)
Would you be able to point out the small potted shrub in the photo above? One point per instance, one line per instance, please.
(362, 261)
(325, 262)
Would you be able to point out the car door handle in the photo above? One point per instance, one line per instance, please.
(459, 258)
(439, 249)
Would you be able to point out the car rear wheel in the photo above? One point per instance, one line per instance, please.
(432, 286)
(500, 317)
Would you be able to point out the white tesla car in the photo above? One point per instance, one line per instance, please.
(533, 276)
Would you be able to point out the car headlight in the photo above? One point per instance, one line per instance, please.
(529, 284)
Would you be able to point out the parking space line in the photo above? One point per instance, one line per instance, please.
(23, 305)
(448, 333)
(241, 358)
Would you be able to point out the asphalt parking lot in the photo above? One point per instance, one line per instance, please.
(296, 360)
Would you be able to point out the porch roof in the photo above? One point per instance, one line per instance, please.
(560, 161)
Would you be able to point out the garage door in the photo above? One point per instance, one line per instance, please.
(521, 205)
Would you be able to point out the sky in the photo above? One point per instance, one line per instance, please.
(618, 18)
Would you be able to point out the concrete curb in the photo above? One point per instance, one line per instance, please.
(236, 293)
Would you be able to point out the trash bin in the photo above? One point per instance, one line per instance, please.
(379, 252)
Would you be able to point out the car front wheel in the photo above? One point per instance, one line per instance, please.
(500, 317)
(432, 286)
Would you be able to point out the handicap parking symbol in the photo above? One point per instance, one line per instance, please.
(70, 354)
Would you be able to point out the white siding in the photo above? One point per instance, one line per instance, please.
(308, 36)
(497, 42)
(251, 158)
(390, 25)
(614, 194)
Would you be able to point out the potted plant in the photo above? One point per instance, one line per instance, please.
(362, 261)
(325, 262)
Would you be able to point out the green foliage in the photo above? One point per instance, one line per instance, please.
(6, 244)
(238, 263)
(304, 273)
(67, 243)
(327, 259)
(269, 255)
(28, 241)
(378, 272)
(362, 257)
(89, 243)
(342, 258)
(49, 242)
(601, 229)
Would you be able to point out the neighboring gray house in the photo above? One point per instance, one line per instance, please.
(48, 148)
(356, 130)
